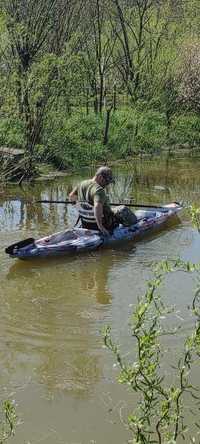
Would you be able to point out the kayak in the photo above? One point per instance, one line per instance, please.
(77, 240)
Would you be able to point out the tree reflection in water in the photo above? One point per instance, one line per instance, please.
(58, 307)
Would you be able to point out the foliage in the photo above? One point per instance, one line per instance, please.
(186, 129)
(74, 141)
(189, 88)
(77, 140)
(11, 132)
(195, 216)
(160, 413)
(139, 60)
(7, 421)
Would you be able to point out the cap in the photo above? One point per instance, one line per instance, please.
(106, 172)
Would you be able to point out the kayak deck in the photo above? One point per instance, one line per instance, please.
(77, 240)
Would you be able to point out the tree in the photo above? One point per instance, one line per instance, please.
(130, 30)
(99, 50)
(189, 76)
(38, 33)
(142, 28)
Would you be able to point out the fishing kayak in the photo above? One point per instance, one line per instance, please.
(77, 240)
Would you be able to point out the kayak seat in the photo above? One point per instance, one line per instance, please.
(58, 237)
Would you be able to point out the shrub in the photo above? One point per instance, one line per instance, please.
(11, 132)
(186, 129)
(76, 140)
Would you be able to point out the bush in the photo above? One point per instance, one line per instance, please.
(186, 129)
(152, 131)
(123, 126)
(133, 131)
(75, 141)
(11, 132)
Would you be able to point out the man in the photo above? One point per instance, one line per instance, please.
(94, 209)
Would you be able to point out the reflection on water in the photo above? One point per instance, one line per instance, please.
(52, 311)
(146, 182)
(51, 304)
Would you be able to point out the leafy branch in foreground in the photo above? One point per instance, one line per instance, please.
(7, 420)
(159, 416)
(195, 216)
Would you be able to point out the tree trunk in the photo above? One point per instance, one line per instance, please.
(114, 97)
(107, 126)
(101, 94)
(87, 100)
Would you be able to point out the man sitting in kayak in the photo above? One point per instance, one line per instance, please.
(93, 204)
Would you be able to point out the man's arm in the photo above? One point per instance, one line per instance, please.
(73, 196)
(98, 212)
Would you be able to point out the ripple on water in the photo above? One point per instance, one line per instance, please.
(52, 312)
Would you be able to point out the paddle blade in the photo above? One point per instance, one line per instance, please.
(17, 245)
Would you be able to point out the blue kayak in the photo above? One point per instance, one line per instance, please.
(78, 240)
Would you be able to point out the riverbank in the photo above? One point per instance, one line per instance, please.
(77, 141)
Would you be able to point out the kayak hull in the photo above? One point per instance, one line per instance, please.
(77, 240)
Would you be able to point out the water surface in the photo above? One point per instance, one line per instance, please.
(52, 311)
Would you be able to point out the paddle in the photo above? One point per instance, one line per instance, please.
(68, 202)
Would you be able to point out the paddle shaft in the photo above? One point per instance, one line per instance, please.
(68, 202)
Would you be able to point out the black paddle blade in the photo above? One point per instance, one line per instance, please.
(17, 245)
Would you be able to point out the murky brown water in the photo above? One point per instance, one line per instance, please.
(52, 311)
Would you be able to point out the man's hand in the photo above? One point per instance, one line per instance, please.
(104, 232)
(73, 196)
(98, 212)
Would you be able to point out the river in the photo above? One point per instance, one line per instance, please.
(52, 359)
